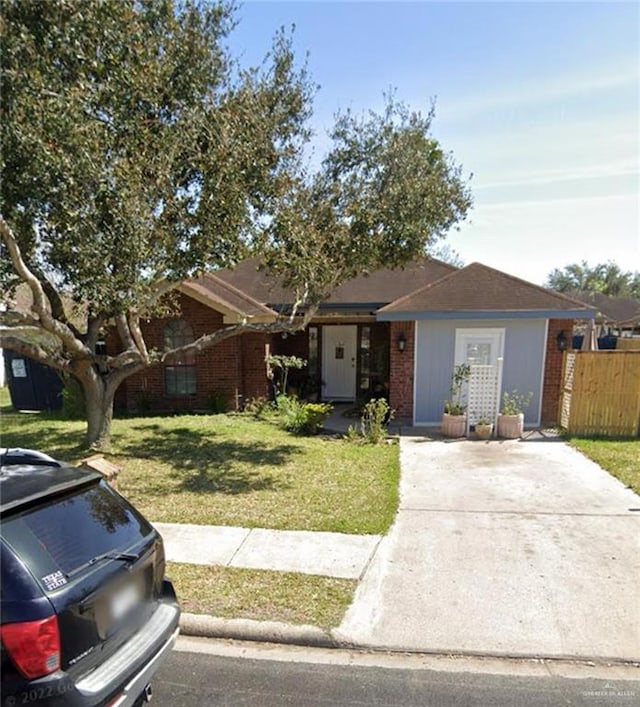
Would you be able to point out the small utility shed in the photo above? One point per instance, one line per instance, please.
(482, 316)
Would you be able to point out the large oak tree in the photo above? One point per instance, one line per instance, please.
(137, 153)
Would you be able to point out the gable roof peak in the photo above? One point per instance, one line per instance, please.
(481, 288)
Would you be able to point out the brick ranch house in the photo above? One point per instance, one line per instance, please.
(397, 333)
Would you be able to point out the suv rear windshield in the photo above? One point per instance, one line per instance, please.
(68, 532)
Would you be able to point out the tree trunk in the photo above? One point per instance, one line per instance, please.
(98, 396)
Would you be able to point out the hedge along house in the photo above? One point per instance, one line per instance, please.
(397, 333)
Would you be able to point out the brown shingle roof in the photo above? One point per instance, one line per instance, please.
(478, 287)
(380, 287)
(220, 295)
(611, 310)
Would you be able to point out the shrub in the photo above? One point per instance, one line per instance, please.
(261, 408)
(279, 368)
(376, 415)
(514, 403)
(301, 418)
(454, 405)
(352, 435)
(73, 405)
(218, 402)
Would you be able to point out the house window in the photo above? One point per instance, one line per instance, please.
(180, 369)
(365, 359)
(312, 364)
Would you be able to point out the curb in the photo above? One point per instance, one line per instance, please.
(250, 630)
(305, 635)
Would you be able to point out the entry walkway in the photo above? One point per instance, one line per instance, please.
(327, 554)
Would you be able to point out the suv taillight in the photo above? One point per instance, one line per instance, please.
(33, 646)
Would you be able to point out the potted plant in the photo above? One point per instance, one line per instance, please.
(483, 428)
(511, 417)
(454, 419)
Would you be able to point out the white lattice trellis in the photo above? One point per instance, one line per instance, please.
(567, 387)
(483, 393)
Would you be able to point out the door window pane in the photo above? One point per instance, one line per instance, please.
(479, 353)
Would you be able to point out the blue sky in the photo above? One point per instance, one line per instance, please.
(540, 101)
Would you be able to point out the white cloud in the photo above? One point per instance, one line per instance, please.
(538, 93)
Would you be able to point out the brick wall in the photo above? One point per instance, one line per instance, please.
(233, 369)
(401, 369)
(254, 368)
(552, 384)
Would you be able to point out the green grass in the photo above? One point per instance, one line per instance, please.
(621, 458)
(232, 470)
(261, 595)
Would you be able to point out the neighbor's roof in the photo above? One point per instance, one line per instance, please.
(378, 288)
(234, 304)
(478, 291)
(623, 311)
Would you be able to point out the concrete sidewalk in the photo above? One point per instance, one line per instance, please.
(504, 548)
(327, 554)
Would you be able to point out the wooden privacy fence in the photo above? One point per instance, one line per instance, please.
(601, 393)
(628, 344)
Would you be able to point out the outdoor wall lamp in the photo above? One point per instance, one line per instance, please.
(561, 341)
(401, 342)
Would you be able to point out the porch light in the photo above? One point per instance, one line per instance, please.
(401, 342)
(561, 341)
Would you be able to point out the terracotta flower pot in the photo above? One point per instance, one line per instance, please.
(484, 431)
(454, 425)
(511, 426)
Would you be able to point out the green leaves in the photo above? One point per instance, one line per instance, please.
(607, 278)
(135, 150)
(137, 154)
(386, 191)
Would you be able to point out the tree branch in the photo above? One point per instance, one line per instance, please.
(13, 319)
(55, 301)
(208, 340)
(13, 343)
(94, 324)
(123, 331)
(47, 321)
(126, 358)
(136, 333)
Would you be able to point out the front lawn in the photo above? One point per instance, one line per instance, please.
(232, 470)
(621, 458)
(231, 592)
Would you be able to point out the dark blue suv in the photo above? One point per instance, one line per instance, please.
(87, 614)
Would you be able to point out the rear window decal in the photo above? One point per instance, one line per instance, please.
(54, 580)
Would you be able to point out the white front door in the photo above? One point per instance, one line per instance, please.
(339, 348)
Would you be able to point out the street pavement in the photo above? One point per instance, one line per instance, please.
(507, 548)
(201, 672)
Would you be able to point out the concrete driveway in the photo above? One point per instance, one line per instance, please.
(504, 548)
